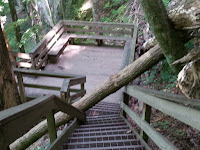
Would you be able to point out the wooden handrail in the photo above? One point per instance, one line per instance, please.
(169, 104)
(98, 24)
(69, 80)
(167, 96)
(16, 121)
(46, 73)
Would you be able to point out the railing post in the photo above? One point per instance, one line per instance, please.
(126, 98)
(65, 91)
(32, 62)
(21, 87)
(146, 115)
(51, 126)
(82, 87)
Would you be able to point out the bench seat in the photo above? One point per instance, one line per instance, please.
(58, 48)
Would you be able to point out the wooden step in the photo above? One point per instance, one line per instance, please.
(104, 130)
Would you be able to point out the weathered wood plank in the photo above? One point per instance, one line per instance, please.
(57, 144)
(59, 45)
(31, 113)
(56, 37)
(78, 80)
(158, 139)
(51, 126)
(126, 99)
(99, 31)
(180, 112)
(27, 113)
(99, 37)
(70, 110)
(77, 95)
(136, 133)
(46, 39)
(98, 24)
(42, 62)
(46, 73)
(64, 91)
(169, 96)
(65, 85)
(21, 87)
(40, 86)
(20, 55)
(146, 115)
(22, 64)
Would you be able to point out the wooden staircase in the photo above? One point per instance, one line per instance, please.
(104, 130)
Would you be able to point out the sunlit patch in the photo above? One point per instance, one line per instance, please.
(87, 5)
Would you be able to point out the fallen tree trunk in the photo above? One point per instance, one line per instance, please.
(115, 82)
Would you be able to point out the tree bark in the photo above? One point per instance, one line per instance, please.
(14, 19)
(115, 82)
(9, 96)
(184, 13)
(164, 31)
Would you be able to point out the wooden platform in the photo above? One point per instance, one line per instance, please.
(97, 63)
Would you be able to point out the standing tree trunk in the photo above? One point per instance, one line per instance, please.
(14, 19)
(36, 19)
(167, 36)
(9, 96)
(63, 9)
(96, 16)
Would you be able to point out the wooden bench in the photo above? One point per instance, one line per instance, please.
(41, 50)
(54, 43)
(58, 48)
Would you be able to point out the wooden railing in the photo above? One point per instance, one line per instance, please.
(20, 60)
(67, 93)
(38, 56)
(16, 121)
(170, 104)
(99, 28)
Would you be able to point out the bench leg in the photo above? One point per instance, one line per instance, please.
(100, 42)
(71, 42)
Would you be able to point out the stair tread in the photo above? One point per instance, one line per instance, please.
(104, 129)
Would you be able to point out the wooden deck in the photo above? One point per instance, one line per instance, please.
(97, 63)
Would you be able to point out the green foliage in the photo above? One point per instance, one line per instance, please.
(151, 76)
(4, 9)
(161, 76)
(161, 124)
(116, 9)
(177, 133)
(166, 2)
(16, 23)
(29, 34)
(74, 12)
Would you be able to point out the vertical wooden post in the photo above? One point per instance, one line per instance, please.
(32, 62)
(51, 126)
(21, 87)
(63, 96)
(146, 115)
(68, 97)
(126, 98)
(82, 87)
